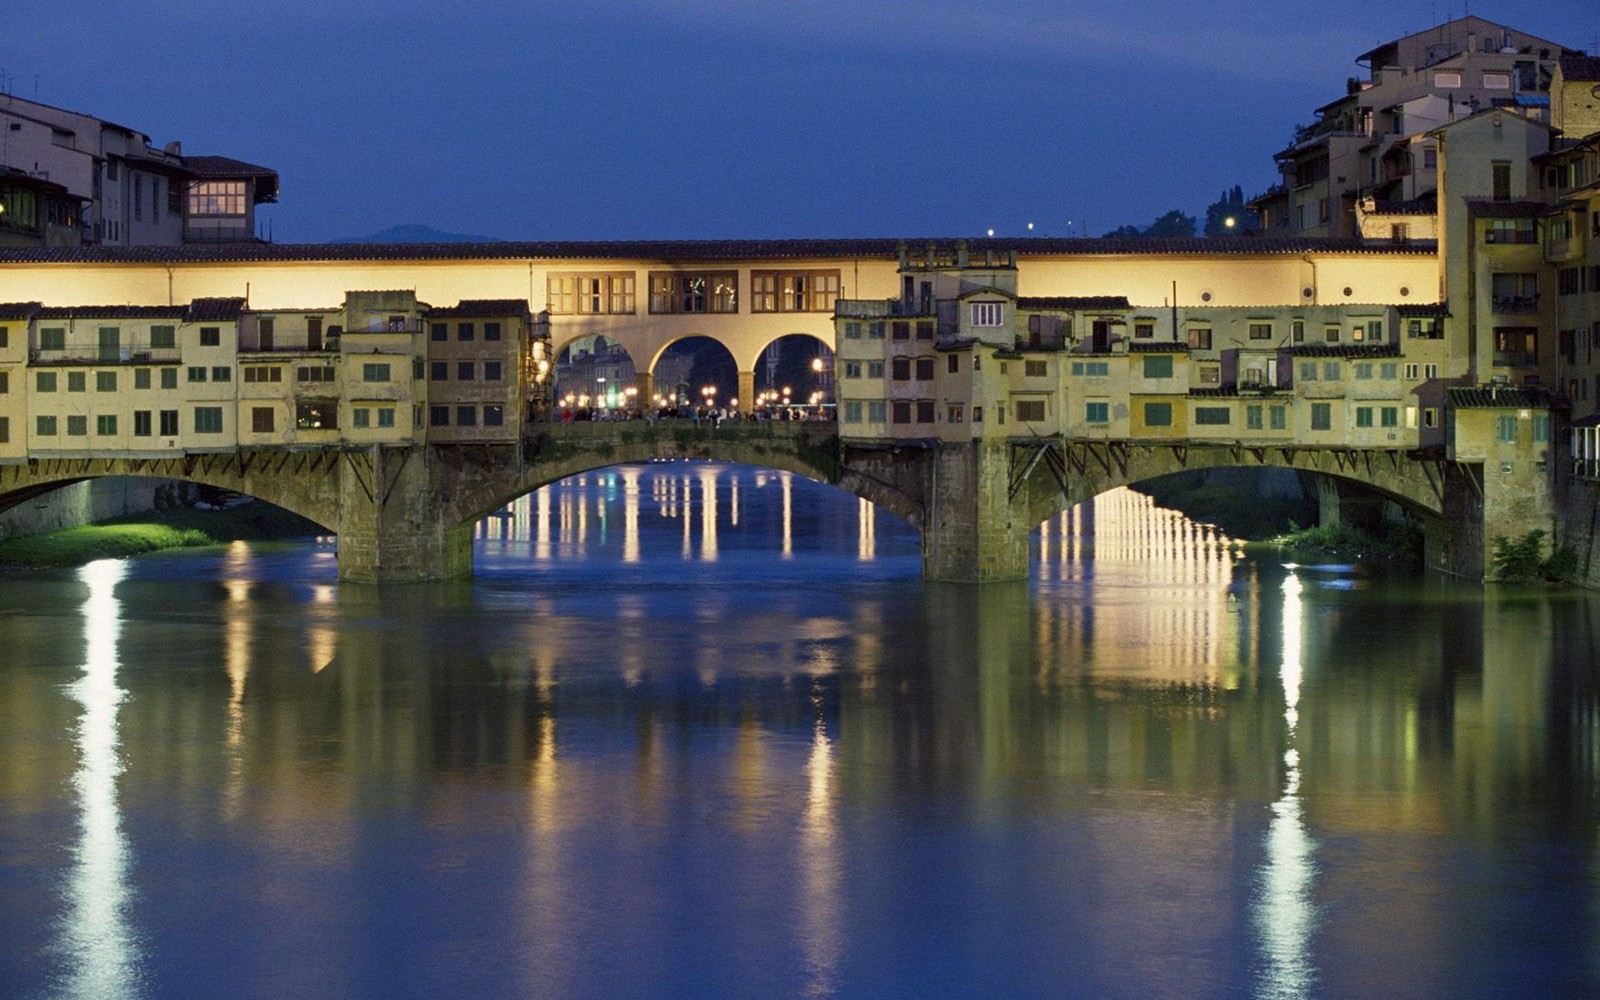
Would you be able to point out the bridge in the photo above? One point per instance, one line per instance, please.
(407, 513)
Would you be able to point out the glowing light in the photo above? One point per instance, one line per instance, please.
(98, 941)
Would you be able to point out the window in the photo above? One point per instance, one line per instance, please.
(1097, 412)
(1363, 416)
(466, 332)
(1362, 371)
(491, 331)
(494, 415)
(1541, 428)
(466, 371)
(1500, 180)
(1279, 416)
(316, 414)
(901, 330)
(952, 363)
(316, 373)
(901, 368)
(197, 373)
(603, 293)
(902, 411)
(163, 337)
(491, 371)
(375, 372)
(1516, 346)
(5, 336)
(852, 412)
(875, 411)
(1158, 414)
(1497, 81)
(1330, 333)
(208, 420)
(1297, 330)
(44, 382)
(875, 331)
(1199, 338)
(924, 330)
(1252, 417)
(361, 417)
(924, 369)
(105, 381)
(466, 416)
(1260, 331)
(1210, 375)
(169, 378)
(1446, 80)
(385, 416)
(53, 339)
(988, 313)
(1144, 329)
(1212, 416)
(1036, 369)
(211, 336)
(1330, 371)
(1158, 366)
(1030, 410)
(215, 198)
(954, 413)
(77, 381)
(852, 369)
(141, 423)
(439, 371)
(261, 419)
(924, 411)
(168, 420)
(695, 292)
(1389, 416)
(1387, 371)
(221, 373)
(1321, 416)
(439, 332)
(852, 331)
(874, 369)
(44, 427)
(793, 291)
(5, 382)
(1506, 427)
(438, 416)
(78, 426)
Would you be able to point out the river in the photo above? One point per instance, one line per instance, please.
(700, 730)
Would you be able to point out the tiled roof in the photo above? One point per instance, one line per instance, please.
(482, 307)
(112, 312)
(1499, 397)
(18, 310)
(1576, 67)
(1423, 309)
(1484, 208)
(1219, 392)
(1157, 347)
(1346, 351)
(215, 310)
(700, 250)
(225, 166)
(1070, 302)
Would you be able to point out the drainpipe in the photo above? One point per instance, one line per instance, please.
(1316, 286)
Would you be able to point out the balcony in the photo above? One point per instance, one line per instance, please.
(1513, 304)
(130, 354)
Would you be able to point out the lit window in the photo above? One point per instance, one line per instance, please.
(988, 313)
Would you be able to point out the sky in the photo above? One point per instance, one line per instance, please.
(720, 119)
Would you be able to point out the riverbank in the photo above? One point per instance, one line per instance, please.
(155, 531)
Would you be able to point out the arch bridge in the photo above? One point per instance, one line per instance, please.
(407, 513)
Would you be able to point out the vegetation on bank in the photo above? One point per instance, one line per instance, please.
(1392, 541)
(153, 531)
(1523, 560)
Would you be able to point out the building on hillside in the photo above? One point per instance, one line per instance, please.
(1371, 150)
(112, 188)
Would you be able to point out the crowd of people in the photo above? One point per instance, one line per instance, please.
(713, 415)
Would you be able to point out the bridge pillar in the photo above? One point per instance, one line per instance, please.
(747, 391)
(973, 531)
(645, 384)
(391, 523)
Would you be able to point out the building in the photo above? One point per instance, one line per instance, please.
(1371, 149)
(105, 185)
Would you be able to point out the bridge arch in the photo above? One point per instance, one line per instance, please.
(1061, 477)
(800, 362)
(304, 483)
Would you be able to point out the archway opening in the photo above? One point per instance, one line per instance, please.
(796, 370)
(593, 373)
(695, 372)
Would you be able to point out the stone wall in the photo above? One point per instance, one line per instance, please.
(80, 503)
(1580, 528)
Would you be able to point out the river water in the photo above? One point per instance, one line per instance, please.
(701, 731)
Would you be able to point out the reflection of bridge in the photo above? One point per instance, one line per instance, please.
(406, 513)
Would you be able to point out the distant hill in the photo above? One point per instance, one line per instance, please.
(416, 234)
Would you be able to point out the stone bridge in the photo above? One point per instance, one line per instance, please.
(408, 513)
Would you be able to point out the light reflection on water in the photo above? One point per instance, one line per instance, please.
(645, 754)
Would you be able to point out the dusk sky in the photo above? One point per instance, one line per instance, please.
(633, 119)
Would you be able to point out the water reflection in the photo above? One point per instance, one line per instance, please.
(1284, 914)
(100, 945)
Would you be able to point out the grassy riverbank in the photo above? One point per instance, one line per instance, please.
(154, 531)
(1394, 541)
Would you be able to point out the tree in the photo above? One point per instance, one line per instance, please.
(1230, 206)
(1174, 223)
